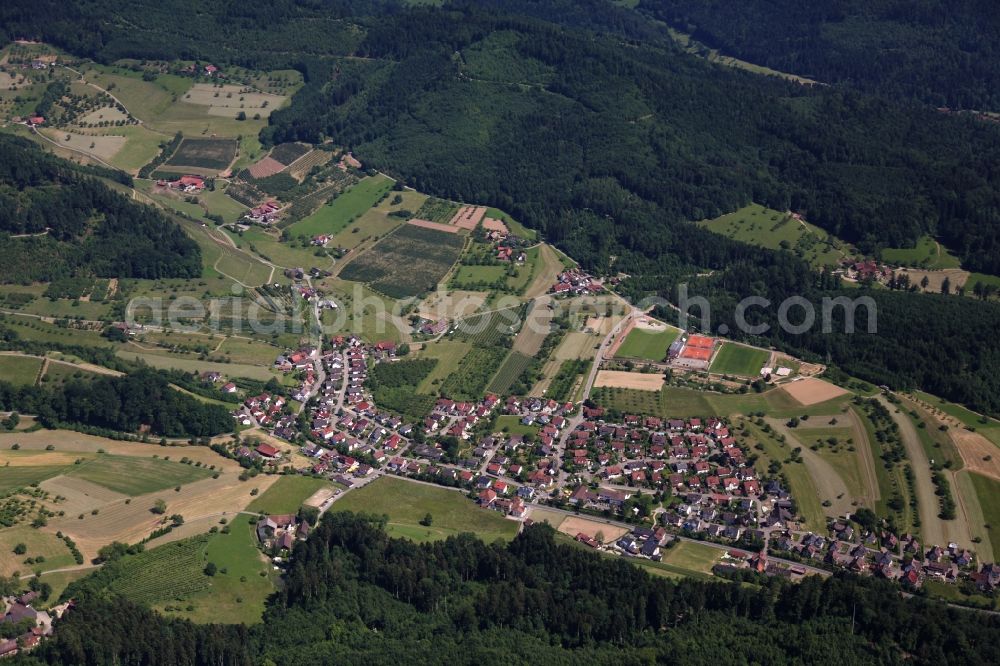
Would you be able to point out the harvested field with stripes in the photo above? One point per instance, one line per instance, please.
(493, 224)
(300, 167)
(468, 217)
(265, 167)
(436, 226)
(812, 391)
(629, 380)
(288, 153)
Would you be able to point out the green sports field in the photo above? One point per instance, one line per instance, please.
(646, 344)
(735, 359)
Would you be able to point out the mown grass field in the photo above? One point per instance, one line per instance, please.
(19, 370)
(199, 153)
(938, 446)
(406, 503)
(449, 353)
(39, 331)
(511, 423)
(287, 494)
(58, 581)
(192, 364)
(692, 557)
(764, 227)
(220, 258)
(336, 215)
(988, 427)
(800, 483)
(979, 526)
(973, 278)
(53, 549)
(237, 592)
(988, 492)
(673, 401)
(377, 221)
(646, 344)
(475, 275)
(734, 359)
(289, 254)
(24, 467)
(926, 254)
(137, 476)
(846, 463)
(363, 312)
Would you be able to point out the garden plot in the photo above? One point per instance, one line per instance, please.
(205, 154)
(407, 262)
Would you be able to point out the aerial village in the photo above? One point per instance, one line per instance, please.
(581, 461)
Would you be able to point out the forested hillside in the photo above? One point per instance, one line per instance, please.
(941, 53)
(355, 595)
(590, 124)
(59, 220)
(542, 121)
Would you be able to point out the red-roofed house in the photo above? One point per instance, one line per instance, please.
(268, 451)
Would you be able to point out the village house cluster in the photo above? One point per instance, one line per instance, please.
(37, 624)
(265, 214)
(187, 184)
(886, 555)
(573, 456)
(576, 282)
(277, 534)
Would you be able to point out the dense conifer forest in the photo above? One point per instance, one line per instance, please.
(121, 404)
(938, 53)
(61, 220)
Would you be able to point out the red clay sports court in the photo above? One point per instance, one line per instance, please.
(700, 341)
(697, 353)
